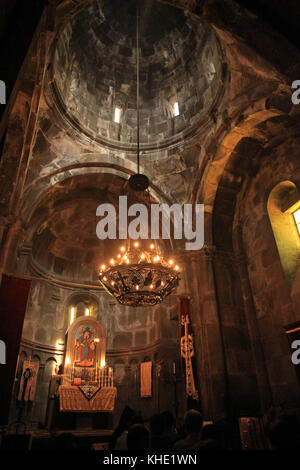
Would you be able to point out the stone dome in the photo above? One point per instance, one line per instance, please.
(94, 71)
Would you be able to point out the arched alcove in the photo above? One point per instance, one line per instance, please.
(85, 351)
(82, 305)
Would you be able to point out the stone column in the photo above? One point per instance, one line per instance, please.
(209, 345)
(13, 235)
(24, 256)
(265, 391)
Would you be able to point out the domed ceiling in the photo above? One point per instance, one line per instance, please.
(65, 223)
(94, 71)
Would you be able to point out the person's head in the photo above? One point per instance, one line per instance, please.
(192, 421)
(138, 438)
(157, 424)
(284, 433)
(210, 431)
(127, 418)
(168, 419)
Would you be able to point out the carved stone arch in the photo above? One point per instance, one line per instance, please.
(243, 144)
(86, 300)
(49, 369)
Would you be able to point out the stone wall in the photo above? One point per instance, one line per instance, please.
(276, 307)
(133, 335)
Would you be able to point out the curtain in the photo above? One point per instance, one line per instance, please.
(13, 301)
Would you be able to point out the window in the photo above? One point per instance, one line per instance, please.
(117, 116)
(72, 315)
(296, 216)
(176, 109)
(284, 213)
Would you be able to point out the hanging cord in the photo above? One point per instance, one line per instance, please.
(138, 89)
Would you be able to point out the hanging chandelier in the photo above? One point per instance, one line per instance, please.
(139, 277)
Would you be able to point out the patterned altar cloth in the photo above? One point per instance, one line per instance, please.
(73, 400)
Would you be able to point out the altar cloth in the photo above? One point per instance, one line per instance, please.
(72, 400)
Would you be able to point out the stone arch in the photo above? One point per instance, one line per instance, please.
(97, 329)
(245, 137)
(119, 371)
(234, 166)
(50, 365)
(259, 156)
(72, 203)
(80, 301)
(35, 191)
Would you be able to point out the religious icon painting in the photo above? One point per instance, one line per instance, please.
(85, 346)
(28, 381)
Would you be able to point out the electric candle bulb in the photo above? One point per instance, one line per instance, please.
(122, 248)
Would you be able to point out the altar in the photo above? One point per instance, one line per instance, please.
(72, 399)
(85, 391)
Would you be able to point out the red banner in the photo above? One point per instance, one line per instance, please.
(13, 301)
